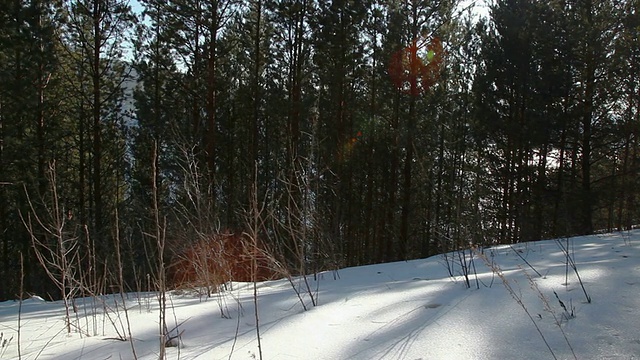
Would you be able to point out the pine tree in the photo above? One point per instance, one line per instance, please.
(627, 58)
(32, 125)
(94, 40)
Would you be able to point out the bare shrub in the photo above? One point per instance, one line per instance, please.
(215, 260)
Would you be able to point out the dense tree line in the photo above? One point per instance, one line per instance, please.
(367, 131)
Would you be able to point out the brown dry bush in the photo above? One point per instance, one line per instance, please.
(218, 259)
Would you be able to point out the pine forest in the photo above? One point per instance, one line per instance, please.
(287, 137)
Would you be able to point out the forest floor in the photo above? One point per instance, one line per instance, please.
(524, 301)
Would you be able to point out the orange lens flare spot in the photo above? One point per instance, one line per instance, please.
(416, 68)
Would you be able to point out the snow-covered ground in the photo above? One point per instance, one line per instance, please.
(403, 310)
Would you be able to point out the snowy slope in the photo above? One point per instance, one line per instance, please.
(404, 310)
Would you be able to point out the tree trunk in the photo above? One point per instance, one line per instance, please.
(255, 122)
(587, 117)
(211, 100)
(97, 126)
(4, 239)
(82, 166)
(392, 187)
(407, 184)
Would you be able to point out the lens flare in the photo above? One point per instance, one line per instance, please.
(415, 68)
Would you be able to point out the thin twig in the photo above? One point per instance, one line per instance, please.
(525, 260)
(496, 270)
(20, 304)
